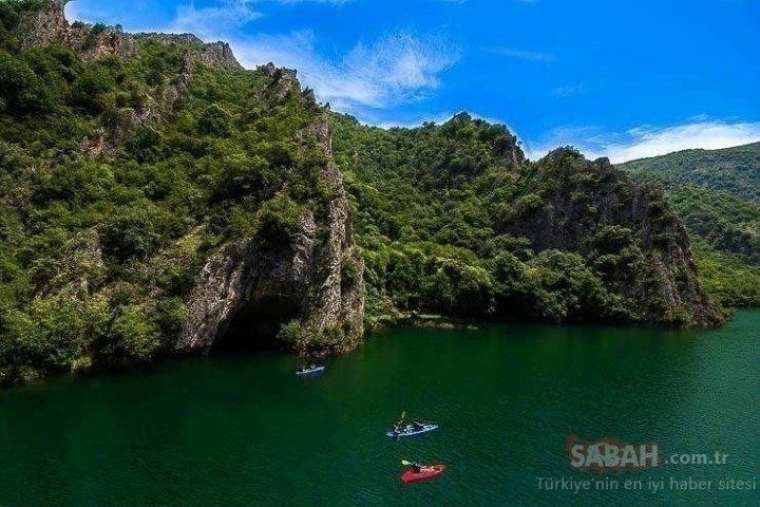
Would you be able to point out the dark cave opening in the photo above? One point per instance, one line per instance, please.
(254, 328)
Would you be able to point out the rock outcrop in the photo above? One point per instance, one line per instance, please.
(216, 55)
(316, 280)
(283, 80)
(49, 26)
(627, 230)
(45, 27)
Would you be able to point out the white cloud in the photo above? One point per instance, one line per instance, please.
(224, 17)
(72, 13)
(395, 69)
(207, 22)
(709, 135)
(647, 141)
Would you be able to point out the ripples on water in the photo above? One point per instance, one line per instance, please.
(247, 431)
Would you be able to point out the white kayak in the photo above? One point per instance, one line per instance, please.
(409, 430)
(310, 371)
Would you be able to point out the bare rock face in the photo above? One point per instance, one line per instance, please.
(283, 80)
(45, 27)
(48, 26)
(218, 55)
(316, 281)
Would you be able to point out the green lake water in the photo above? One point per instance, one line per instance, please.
(247, 431)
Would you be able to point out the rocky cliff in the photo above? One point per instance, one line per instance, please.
(160, 199)
(48, 26)
(628, 232)
(316, 280)
(455, 220)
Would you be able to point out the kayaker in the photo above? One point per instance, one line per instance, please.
(399, 426)
(417, 426)
(417, 472)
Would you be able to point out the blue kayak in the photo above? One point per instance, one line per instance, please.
(310, 371)
(409, 430)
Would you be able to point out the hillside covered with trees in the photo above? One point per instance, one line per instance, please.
(453, 219)
(131, 164)
(717, 194)
(158, 199)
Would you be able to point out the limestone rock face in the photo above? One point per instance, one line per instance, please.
(219, 55)
(45, 27)
(48, 26)
(283, 80)
(216, 55)
(316, 280)
(586, 200)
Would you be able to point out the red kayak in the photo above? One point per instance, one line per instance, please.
(425, 473)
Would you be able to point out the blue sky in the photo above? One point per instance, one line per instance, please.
(619, 78)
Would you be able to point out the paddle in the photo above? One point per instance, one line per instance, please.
(397, 426)
(416, 466)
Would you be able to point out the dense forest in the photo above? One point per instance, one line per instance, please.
(731, 170)
(717, 194)
(453, 219)
(108, 212)
(156, 199)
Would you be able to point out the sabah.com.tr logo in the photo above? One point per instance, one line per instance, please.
(612, 455)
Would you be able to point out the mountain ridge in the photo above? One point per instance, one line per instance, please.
(733, 170)
(471, 206)
(158, 199)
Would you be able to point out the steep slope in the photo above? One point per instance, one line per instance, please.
(155, 198)
(735, 171)
(717, 193)
(453, 219)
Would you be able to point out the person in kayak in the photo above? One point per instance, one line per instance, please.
(415, 466)
(416, 426)
(417, 472)
(400, 426)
